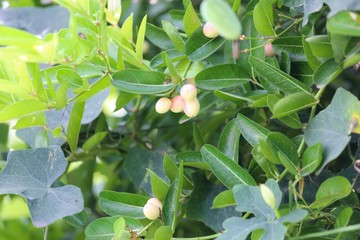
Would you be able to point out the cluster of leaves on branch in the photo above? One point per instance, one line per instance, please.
(262, 142)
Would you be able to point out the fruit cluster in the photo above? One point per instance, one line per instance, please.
(152, 209)
(186, 102)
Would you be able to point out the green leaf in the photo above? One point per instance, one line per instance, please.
(172, 200)
(163, 233)
(222, 17)
(73, 79)
(333, 124)
(191, 20)
(94, 140)
(114, 7)
(224, 199)
(281, 80)
(171, 170)
(343, 217)
(225, 169)
(292, 45)
(40, 168)
(158, 186)
(173, 55)
(140, 39)
(198, 138)
(229, 140)
(121, 203)
(293, 103)
(158, 37)
(22, 108)
(15, 37)
(101, 229)
(251, 130)
(331, 190)
(73, 129)
(192, 159)
(175, 77)
(37, 119)
(174, 35)
(344, 23)
(123, 99)
(327, 72)
(142, 82)
(320, 46)
(263, 18)
(199, 47)
(311, 59)
(339, 44)
(222, 76)
(119, 228)
(267, 166)
(249, 199)
(311, 159)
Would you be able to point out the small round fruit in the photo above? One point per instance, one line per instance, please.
(163, 105)
(268, 196)
(156, 202)
(269, 51)
(192, 108)
(177, 104)
(188, 92)
(151, 211)
(209, 30)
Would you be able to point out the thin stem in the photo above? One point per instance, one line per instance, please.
(351, 228)
(145, 228)
(200, 238)
(282, 175)
(46, 233)
(296, 21)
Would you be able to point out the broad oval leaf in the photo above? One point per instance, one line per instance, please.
(199, 47)
(331, 190)
(121, 203)
(222, 76)
(225, 169)
(293, 103)
(320, 46)
(229, 140)
(142, 82)
(224, 199)
(251, 130)
(222, 17)
(311, 159)
(327, 72)
(263, 18)
(344, 23)
(22, 108)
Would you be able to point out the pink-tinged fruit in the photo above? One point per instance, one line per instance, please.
(192, 108)
(177, 104)
(156, 202)
(151, 211)
(188, 92)
(209, 30)
(269, 51)
(163, 105)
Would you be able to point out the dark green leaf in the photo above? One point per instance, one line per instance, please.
(311, 59)
(292, 45)
(171, 170)
(174, 35)
(73, 129)
(158, 36)
(293, 103)
(229, 140)
(94, 140)
(226, 170)
(327, 72)
(142, 82)
(320, 46)
(222, 76)
(311, 159)
(173, 54)
(251, 130)
(158, 186)
(267, 166)
(192, 159)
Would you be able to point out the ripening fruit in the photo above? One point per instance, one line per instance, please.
(209, 30)
(268, 196)
(163, 105)
(151, 211)
(156, 202)
(177, 104)
(269, 51)
(188, 92)
(192, 108)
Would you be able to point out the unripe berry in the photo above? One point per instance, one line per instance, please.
(269, 51)
(163, 105)
(151, 211)
(209, 30)
(268, 196)
(188, 92)
(177, 104)
(156, 202)
(192, 108)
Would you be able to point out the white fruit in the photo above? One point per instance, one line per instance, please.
(156, 202)
(209, 30)
(192, 108)
(188, 92)
(163, 105)
(151, 211)
(177, 104)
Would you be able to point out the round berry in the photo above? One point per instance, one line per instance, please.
(151, 211)
(269, 51)
(188, 92)
(192, 108)
(209, 30)
(156, 202)
(177, 104)
(163, 105)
